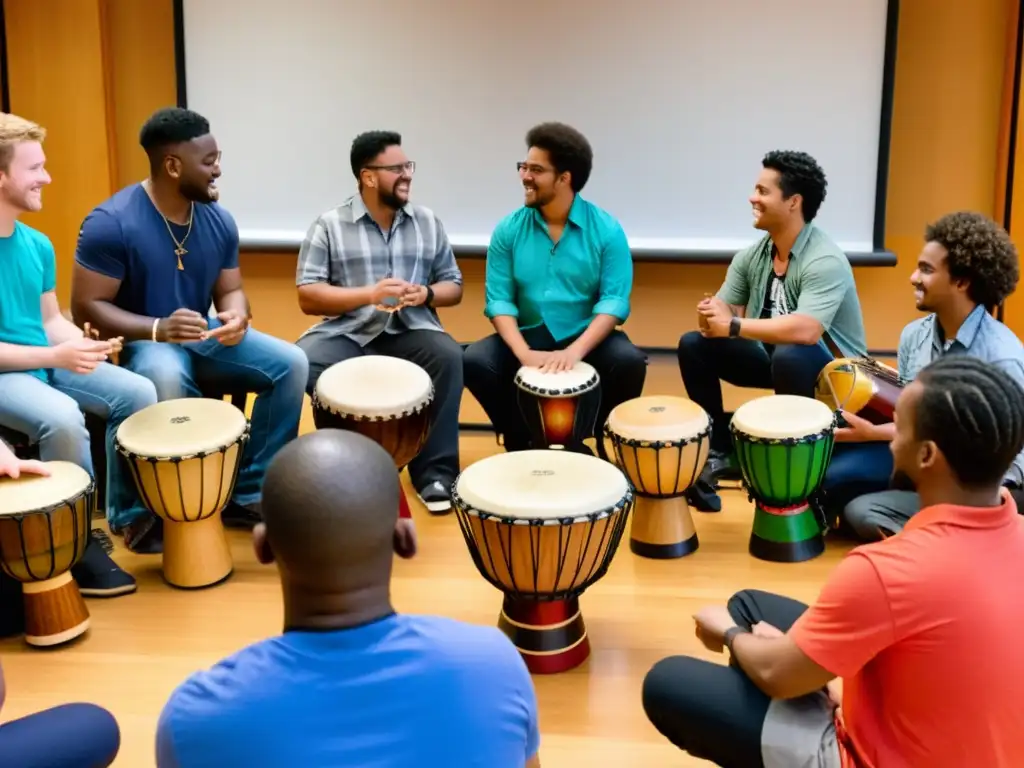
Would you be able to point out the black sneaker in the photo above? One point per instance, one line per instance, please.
(436, 497)
(99, 576)
(721, 466)
(703, 496)
(144, 536)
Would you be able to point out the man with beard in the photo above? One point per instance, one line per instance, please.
(151, 261)
(50, 371)
(558, 283)
(767, 326)
(911, 653)
(967, 268)
(377, 268)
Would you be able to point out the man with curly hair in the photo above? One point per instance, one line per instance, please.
(558, 282)
(967, 268)
(782, 297)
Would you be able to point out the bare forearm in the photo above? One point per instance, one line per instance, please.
(112, 321)
(59, 329)
(789, 329)
(508, 329)
(328, 300)
(233, 300)
(446, 294)
(15, 357)
(598, 330)
(763, 660)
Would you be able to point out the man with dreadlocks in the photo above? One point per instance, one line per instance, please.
(967, 268)
(919, 628)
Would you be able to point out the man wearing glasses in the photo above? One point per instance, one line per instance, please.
(559, 277)
(375, 269)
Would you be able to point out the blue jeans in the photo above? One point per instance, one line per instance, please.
(274, 369)
(68, 736)
(51, 414)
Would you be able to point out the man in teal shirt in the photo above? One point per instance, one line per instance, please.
(559, 276)
(767, 326)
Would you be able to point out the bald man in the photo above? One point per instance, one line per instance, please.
(350, 681)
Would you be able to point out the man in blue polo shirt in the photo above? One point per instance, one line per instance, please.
(150, 262)
(350, 681)
(558, 282)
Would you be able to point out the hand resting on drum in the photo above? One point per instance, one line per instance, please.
(12, 466)
(859, 430)
(550, 362)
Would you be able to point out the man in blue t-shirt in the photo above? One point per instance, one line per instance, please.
(350, 681)
(51, 372)
(151, 261)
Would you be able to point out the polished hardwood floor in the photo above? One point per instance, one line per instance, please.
(141, 646)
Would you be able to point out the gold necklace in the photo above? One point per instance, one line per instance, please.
(180, 250)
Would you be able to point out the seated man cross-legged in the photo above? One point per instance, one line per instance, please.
(50, 372)
(911, 654)
(558, 281)
(377, 267)
(968, 266)
(350, 681)
(150, 262)
(767, 326)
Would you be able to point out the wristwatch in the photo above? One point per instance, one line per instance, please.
(429, 302)
(734, 326)
(730, 633)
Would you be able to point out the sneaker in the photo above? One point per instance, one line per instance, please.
(703, 497)
(436, 497)
(721, 466)
(99, 576)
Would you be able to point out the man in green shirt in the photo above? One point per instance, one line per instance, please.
(766, 326)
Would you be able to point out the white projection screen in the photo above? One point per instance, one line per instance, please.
(680, 100)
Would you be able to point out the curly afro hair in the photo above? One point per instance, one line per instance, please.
(568, 149)
(799, 174)
(980, 252)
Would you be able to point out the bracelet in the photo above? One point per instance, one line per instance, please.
(155, 324)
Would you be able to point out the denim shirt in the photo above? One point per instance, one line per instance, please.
(981, 336)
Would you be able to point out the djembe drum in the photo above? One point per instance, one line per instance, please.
(184, 456)
(560, 409)
(861, 386)
(44, 530)
(783, 446)
(661, 443)
(385, 398)
(543, 526)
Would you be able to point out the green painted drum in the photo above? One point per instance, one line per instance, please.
(783, 446)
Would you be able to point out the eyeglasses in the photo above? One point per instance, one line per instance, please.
(409, 167)
(535, 170)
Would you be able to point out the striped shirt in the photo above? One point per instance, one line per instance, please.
(346, 248)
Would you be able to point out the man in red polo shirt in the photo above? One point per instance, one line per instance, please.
(920, 628)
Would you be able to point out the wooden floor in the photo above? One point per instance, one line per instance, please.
(141, 646)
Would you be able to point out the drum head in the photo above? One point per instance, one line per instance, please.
(30, 493)
(182, 428)
(374, 386)
(581, 378)
(542, 485)
(659, 418)
(776, 417)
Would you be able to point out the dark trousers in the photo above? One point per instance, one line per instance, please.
(713, 711)
(856, 469)
(490, 370)
(441, 357)
(789, 369)
(68, 736)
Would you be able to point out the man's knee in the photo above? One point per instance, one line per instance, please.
(631, 359)
(795, 368)
(868, 518)
(136, 393)
(450, 358)
(691, 345)
(165, 367)
(480, 362)
(64, 421)
(665, 693)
